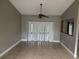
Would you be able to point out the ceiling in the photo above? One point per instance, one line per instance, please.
(50, 7)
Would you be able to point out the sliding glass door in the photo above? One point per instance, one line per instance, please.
(41, 31)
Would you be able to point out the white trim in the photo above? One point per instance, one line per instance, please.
(75, 55)
(23, 39)
(77, 29)
(7, 50)
(68, 50)
(76, 46)
(53, 41)
(56, 41)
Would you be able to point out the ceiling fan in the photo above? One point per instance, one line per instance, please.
(41, 15)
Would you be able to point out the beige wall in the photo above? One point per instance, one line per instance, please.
(27, 18)
(10, 25)
(70, 41)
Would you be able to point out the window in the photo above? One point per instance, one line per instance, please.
(67, 27)
(70, 29)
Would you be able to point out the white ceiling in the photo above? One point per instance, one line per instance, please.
(50, 7)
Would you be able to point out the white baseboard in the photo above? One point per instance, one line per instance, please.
(26, 40)
(7, 50)
(23, 39)
(69, 50)
(56, 41)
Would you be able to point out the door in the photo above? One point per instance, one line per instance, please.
(41, 31)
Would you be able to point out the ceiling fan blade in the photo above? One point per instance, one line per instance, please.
(45, 16)
(42, 15)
